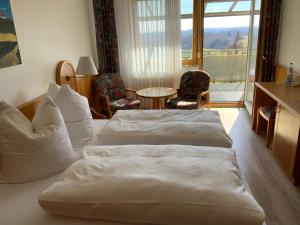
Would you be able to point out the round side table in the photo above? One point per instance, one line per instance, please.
(156, 93)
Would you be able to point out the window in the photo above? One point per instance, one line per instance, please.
(187, 42)
(193, 13)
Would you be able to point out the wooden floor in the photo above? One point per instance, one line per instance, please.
(271, 188)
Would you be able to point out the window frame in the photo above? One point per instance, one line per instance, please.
(198, 27)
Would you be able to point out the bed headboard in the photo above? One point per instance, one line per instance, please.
(65, 74)
(29, 108)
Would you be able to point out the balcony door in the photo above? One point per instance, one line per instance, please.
(220, 36)
(252, 54)
(226, 46)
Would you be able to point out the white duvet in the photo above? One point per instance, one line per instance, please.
(166, 185)
(185, 127)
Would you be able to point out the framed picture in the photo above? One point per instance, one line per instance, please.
(9, 48)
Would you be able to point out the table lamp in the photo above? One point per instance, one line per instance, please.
(86, 66)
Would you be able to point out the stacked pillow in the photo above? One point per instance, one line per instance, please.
(76, 113)
(30, 151)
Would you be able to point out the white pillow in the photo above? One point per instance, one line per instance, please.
(31, 151)
(76, 113)
(53, 89)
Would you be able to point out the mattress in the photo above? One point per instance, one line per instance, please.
(156, 127)
(144, 184)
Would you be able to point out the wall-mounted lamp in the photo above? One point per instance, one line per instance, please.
(86, 66)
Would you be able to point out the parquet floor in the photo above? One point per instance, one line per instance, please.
(271, 188)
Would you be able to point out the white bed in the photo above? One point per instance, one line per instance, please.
(156, 127)
(19, 202)
(165, 184)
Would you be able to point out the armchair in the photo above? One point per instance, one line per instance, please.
(111, 95)
(193, 92)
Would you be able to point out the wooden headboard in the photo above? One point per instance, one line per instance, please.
(29, 108)
(65, 74)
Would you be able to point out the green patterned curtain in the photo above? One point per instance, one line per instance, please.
(106, 36)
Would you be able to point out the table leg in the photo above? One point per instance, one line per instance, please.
(260, 99)
(156, 103)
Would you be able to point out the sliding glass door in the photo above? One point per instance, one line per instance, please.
(252, 54)
(220, 36)
(225, 48)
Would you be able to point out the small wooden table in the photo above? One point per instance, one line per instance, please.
(156, 93)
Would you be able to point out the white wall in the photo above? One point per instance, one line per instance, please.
(48, 31)
(289, 50)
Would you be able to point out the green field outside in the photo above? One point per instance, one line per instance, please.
(224, 65)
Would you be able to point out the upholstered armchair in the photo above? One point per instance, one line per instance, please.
(193, 92)
(111, 95)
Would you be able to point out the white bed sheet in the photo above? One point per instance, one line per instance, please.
(19, 206)
(162, 127)
(98, 126)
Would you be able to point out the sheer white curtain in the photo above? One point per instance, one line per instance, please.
(149, 42)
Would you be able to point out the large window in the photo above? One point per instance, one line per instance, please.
(215, 37)
(187, 11)
(192, 23)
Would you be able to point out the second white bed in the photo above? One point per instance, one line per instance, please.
(157, 127)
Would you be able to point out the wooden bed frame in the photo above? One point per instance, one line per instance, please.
(65, 74)
(29, 108)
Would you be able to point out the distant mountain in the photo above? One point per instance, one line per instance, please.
(219, 38)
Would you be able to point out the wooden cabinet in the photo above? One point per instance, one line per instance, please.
(285, 141)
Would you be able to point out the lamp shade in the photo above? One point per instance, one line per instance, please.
(86, 66)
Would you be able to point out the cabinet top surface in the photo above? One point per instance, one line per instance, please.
(286, 96)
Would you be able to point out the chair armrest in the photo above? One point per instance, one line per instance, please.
(97, 115)
(200, 97)
(104, 98)
(203, 94)
(131, 91)
(102, 103)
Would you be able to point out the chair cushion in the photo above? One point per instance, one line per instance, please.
(124, 103)
(268, 111)
(193, 83)
(112, 85)
(116, 93)
(180, 103)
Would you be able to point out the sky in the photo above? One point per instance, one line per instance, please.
(217, 22)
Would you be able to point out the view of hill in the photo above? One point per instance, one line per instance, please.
(219, 38)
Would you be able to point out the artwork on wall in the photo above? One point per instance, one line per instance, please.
(9, 48)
